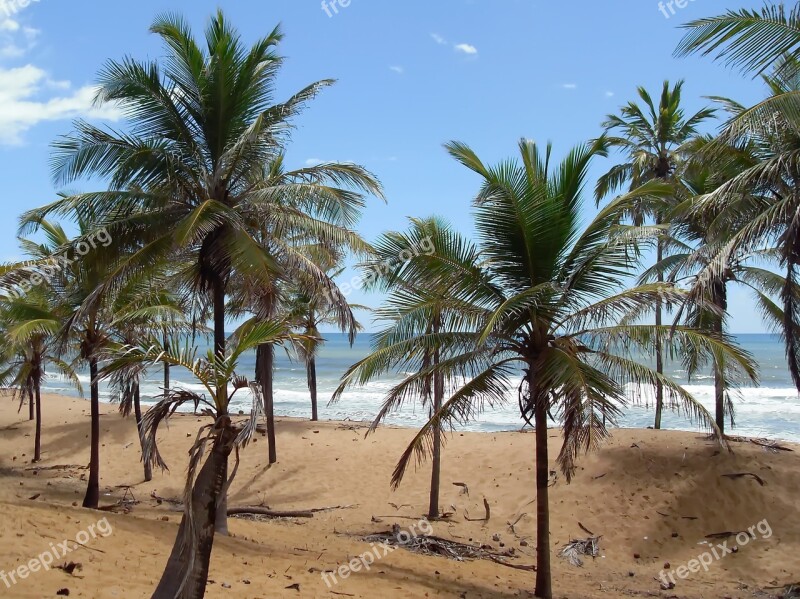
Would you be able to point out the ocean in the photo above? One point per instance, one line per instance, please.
(771, 410)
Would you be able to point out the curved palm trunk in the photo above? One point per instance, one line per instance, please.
(265, 365)
(544, 585)
(137, 410)
(92, 498)
(206, 494)
(37, 443)
(720, 298)
(436, 469)
(31, 408)
(311, 372)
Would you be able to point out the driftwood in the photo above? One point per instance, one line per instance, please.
(772, 446)
(464, 488)
(735, 475)
(263, 511)
(726, 534)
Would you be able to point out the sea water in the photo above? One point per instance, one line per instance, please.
(770, 410)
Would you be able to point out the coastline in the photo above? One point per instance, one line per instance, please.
(637, 492)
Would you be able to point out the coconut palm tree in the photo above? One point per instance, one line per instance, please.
(31, 326)
(73, 269)
(186, 573)
(186, 178)
(694, 239)
(144, 309)
(425, 324)
(652, 139)
(768, 43)
(547, 297)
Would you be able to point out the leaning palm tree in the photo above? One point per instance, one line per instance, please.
(186, 573)
(547, 298)
(424, 322)
(767, 43)
(652, 139)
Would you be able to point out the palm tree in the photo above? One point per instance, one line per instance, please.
(653, 139)
(185, 178)
(186, 573)
(694, 239)
(543, 299)
(142, 310)
(423, 321)
(309, 307)
(767, 43)
(31, 328)
(73, 270)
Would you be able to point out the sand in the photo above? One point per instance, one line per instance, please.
(649, 494)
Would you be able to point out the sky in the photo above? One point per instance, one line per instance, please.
(410, 76)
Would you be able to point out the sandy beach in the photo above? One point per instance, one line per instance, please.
(651, 496)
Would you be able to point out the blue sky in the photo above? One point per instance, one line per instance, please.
(411, 76)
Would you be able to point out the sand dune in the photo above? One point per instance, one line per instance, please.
(651, 495)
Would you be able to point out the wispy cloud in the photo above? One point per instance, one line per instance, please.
(439, 39)
(570, 86)
(25, 104)
(466, 49)
(609, 94)
(314, 162)
(397, 69)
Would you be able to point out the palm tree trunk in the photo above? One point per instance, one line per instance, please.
(166, 367)
(311, 371)
(436, 469)
(265, 364)
(221, 518)
(659, 348)
(205, 495)
(92, 498)
(720, 299)
(31, 408)
(37, 442)
(137, 410)
(544, 585)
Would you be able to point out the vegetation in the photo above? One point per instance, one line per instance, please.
(199, 219)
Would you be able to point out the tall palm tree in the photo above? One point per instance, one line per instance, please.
(423, 321)
(186, 573)
(544, 300)
(185, 178)
(766, 43)
(652, 139)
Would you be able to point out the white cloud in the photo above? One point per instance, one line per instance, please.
(314, 162)
(466, 49)
(24, 105)
(9, 25)
(397, 69)
(609, 94)
(570, 86)
(438, 39)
